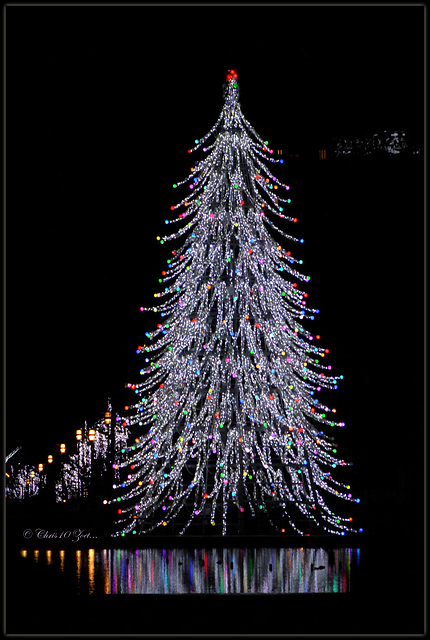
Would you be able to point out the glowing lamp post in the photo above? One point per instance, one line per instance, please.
(79, 439)
(91, 438)
(50, 459)
(31, 481)
(40, 467)
(62, 451)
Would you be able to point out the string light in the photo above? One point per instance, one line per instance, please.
(226, 412)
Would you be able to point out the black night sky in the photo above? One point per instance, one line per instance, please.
(103, 102)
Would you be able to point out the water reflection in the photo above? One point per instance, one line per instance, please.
(212, 570)
(62, 556)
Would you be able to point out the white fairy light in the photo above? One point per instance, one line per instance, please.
(227, 413)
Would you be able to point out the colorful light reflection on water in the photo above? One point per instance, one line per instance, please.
(212, 570)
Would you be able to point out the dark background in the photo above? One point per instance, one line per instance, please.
(102, 104)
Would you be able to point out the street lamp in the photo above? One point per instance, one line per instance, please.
(50, 459)
(62, 450)
(40, 466)
(91, 438)
(79, 438)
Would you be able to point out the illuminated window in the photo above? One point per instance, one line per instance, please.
(322, 153)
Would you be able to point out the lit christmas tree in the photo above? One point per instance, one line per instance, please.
(227, 417)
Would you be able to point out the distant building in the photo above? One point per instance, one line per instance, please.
(388, 143)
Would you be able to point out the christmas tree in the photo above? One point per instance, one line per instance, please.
(228, 423)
